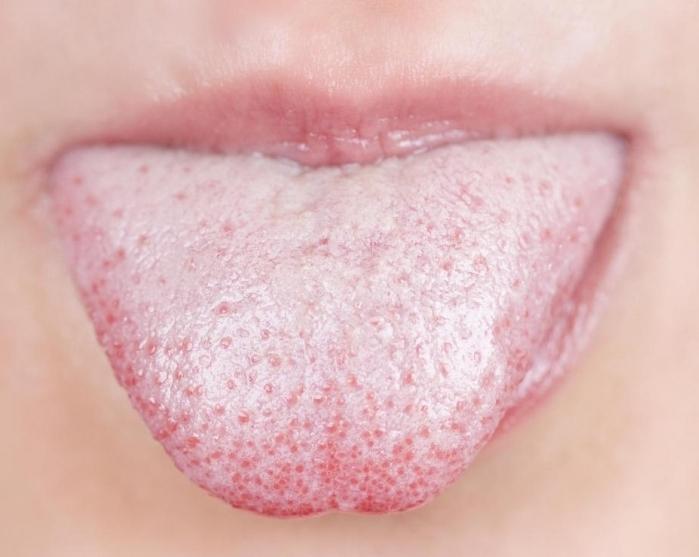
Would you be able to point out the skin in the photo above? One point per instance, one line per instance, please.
(607, 465)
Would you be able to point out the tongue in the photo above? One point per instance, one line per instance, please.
(302, 340)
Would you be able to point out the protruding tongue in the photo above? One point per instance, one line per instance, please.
(302, 340)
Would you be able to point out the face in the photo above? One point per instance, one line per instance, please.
(304, 119)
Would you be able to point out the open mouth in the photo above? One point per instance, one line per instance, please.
(321, 305)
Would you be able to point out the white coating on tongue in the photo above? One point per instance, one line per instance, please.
(339, 338)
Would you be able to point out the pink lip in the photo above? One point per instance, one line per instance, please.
(305, 337)
(306, 123)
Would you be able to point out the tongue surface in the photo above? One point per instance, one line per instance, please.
(303, 340)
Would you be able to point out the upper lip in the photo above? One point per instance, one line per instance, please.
(315, 126)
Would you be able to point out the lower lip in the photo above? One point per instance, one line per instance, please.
(303, 340)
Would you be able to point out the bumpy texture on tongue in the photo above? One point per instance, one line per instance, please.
(339, 338)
